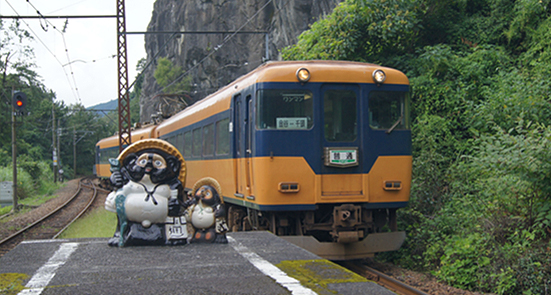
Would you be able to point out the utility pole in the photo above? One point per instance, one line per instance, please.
(75, 141)
(58, 147)
(74, 151)
(53, 142)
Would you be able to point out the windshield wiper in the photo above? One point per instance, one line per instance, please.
(395, 124)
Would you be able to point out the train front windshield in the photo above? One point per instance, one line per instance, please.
(340, 115)
(293, 109)
(285, 109)
(388, 110)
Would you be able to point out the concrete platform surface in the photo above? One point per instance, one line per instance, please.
(251, 263)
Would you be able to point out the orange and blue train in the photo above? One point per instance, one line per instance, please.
(317, 152)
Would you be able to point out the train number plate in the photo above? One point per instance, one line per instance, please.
(341, 157)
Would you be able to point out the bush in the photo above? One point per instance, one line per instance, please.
(370, 31)
(33, 178)
(464, 261)
(500, 211)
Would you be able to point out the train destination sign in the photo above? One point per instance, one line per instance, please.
(292, 123)
(341, 157)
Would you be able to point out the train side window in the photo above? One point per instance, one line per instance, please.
(102, 157)
(172, 140)
(388, 110)
(196, 143)
(187, 144)
(284, 109)
(113, 153)
(208, 140)
(107, 154)
(223, 137)
(180, 142)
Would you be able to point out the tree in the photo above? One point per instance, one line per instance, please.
(480, 206)
(171, 78)
(368, 31)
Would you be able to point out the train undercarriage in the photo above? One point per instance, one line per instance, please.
(334, 232)
(342, 232)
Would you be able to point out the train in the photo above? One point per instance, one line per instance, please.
(317, 152)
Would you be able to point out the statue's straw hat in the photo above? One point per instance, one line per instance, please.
(210, 182)
(159, 144)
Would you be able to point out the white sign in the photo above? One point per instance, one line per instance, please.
(292, 123)
(343, 157)
(6, 193)
(176, 228)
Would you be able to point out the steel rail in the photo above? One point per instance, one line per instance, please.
(81, 212)
(5, 215)
(14, 235)
(382, 279)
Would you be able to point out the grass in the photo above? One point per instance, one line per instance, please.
(28, 203)
(99, 223)
(36, 201)
(12, 283)
(5, 210)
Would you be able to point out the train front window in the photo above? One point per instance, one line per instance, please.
(340, 115)
(284, 109)
(388, 110)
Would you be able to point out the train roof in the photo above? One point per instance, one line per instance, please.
(324, 71)
(136, 134)
(281, 71)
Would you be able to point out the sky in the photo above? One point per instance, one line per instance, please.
(80, 64)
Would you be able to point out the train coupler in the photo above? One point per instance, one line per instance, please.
(345, 220)
(349, 236)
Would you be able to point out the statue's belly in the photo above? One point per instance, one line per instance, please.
(202, 217)
(138, 209)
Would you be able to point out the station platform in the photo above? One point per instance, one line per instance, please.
(251, 263)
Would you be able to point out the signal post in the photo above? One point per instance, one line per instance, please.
(19, 103)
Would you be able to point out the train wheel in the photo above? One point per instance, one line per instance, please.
(235, 218)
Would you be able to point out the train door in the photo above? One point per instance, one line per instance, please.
(341, 138)
(243, 144)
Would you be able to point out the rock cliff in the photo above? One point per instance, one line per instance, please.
(241, 36)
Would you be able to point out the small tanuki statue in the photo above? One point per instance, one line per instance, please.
(206, 213)
(149, 176)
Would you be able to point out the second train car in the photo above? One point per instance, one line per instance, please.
(318, 152)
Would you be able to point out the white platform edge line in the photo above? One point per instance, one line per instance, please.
(46, 272)
(270, 270)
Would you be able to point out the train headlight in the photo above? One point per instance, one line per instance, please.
(379, 76)
(303, 75)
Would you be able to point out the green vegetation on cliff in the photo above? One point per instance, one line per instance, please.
(479, 216)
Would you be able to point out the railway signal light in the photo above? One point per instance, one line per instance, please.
(19, 102)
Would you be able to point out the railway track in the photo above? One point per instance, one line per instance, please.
(380, 278)
(51, 225)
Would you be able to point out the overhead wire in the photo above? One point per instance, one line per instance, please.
(43, 44)
(72, 4)
(225, 41)
(278, 10)
(62, 32)
(69, 62)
